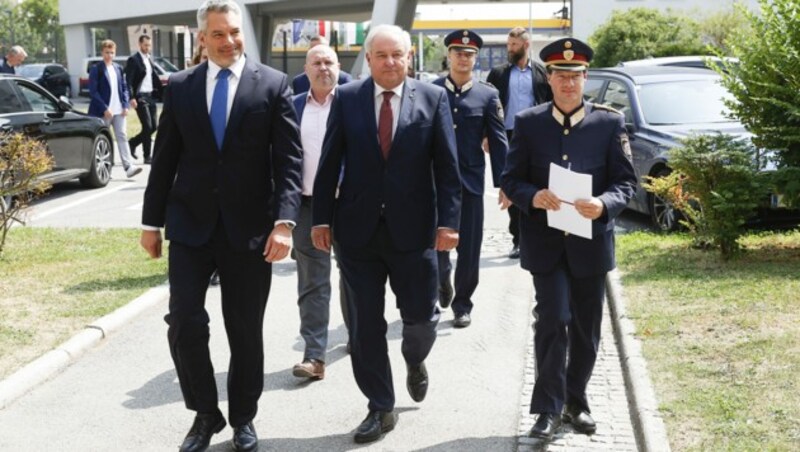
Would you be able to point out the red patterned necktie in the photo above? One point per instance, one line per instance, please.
(385, 124)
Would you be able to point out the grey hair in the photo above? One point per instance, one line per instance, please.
(322, 48)
(17, 50)
(215, 6)
(392, 31)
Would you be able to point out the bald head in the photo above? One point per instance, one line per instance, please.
(322, 68)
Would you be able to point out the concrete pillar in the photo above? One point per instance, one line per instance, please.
(252, 44)
(396, 12)
(78, 42)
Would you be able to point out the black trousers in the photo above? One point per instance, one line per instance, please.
(413, 278)
(146, 110)
(568, 314)
(469, 254)
(513, 211)
(245, 280)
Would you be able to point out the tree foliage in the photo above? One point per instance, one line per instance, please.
(33, 24)
(766, 85)
(640, 33)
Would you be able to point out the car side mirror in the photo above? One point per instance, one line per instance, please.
(64, 103)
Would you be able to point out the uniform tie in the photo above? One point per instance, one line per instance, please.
(219, 107)
(385, 124)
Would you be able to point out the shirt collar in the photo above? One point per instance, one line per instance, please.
(574, 117)
(397, 89)
(328, 99)
(236, 68)
(144, 56)
(450, 85)
(527, 66)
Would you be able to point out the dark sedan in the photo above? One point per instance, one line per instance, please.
(54, 77)
(79, 144)
(661, 105)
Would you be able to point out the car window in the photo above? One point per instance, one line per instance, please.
(57, 70)
(9, 101)
(617, 98)
(684, 102)
(591, 90)
(38, 101)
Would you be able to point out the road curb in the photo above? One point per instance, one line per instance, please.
(55, 361)
(648, 425)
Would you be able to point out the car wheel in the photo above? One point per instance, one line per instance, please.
(663, 214)
(100, 171)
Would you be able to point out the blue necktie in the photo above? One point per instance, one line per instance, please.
(219, 107)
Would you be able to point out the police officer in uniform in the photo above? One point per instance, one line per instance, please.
(477, 113)
(568, 271)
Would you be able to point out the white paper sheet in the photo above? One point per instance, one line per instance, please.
(569, 186)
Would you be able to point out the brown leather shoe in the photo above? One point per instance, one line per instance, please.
(309, 368)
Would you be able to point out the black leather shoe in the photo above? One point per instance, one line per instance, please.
(580, 419)
(417, 381)
(214, 281)
(374, 425)
(514, 253)
(133, 150)
(199, 436)
(446, 294)
(462, 320)
(245, 438)
(546, 426)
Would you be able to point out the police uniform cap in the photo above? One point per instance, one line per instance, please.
(463, 40)
(567, 54)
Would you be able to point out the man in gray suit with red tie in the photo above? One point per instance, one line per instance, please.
(390, 143)
(225, 181)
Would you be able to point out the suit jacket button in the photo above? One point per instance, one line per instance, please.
(566, 131)
(565, 157)
(455, 126)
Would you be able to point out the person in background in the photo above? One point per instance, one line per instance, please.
(398, 203)
(145, 87)
(522, 83)
(110, 99)
(477, 113)
(14, 58)
(301, 84)
(225, 184)
(200, 55)
(569, 272)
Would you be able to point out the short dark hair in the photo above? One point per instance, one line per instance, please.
(519, 32)
(143, 38)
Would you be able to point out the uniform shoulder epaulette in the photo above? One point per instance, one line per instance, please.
(606, 108)
(483, 82)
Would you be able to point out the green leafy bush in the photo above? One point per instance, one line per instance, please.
(717, 185)
(22, 160)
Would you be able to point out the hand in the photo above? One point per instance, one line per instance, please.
(279, 243)
(547, 200)
(485, 145)
(108, 115)
(446, 239)
(151, 242)
(503, 200)
(321, 238)
(590, 208)
(134, 104)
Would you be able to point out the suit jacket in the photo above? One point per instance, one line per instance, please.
(135, 71)
(415, 191)
(100, 90)
(595, 144)
(5, 68)
(252, 181)
(477, 113)
(500, 75)
(301, 84)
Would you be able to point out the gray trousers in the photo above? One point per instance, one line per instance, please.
(313, 286)
(118, 123)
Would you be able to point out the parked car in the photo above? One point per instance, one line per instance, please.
(54, 77)
(122, 60)
(79, 144)
(692, 61)
(661, 105)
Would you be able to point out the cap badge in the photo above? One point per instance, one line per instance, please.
(466, 33)
(568, 45)
(465, 40)
(569, 54)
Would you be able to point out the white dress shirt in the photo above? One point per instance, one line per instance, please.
(147, 83)
(312, 132)
(114, 102)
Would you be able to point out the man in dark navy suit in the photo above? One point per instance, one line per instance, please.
(225, 181)
(477, 113)
(145, 89)
(522, 83)
(391, 151)
(14, 58)
(568, 271)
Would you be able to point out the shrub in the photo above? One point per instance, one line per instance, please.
(717, 185)
(22, 160)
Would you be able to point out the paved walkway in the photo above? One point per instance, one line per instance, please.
(123, 394)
